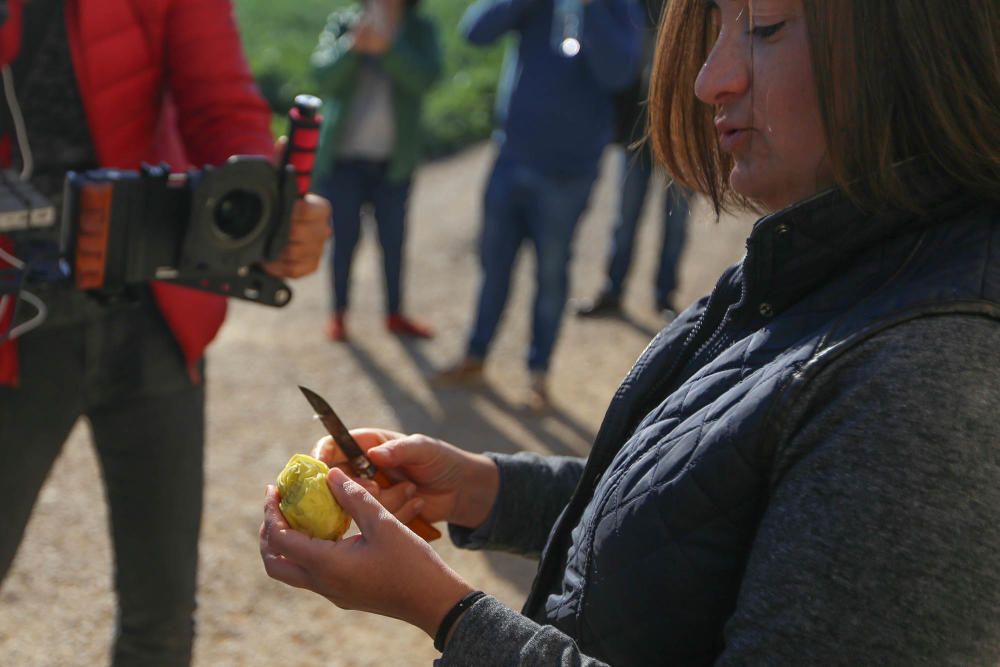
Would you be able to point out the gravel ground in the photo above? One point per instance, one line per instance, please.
(56, 606)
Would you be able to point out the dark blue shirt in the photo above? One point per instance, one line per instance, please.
(556, 113)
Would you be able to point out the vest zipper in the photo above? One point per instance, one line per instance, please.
(718, 341)
(692, 338)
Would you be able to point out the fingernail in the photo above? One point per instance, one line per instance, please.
(410, 490)
(418, 504)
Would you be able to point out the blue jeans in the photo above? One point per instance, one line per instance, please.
(637, 170)
(521, 205)
(349, 186)
(118, 366)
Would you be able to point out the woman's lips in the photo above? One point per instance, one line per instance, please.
(732, 140)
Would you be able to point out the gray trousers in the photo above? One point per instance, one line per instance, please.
(118, 366)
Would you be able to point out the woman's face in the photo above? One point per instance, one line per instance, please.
(759, 78)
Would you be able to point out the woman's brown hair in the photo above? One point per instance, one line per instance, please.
(895, 79)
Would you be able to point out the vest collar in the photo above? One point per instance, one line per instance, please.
(793, 251)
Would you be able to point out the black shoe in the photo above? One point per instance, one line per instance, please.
(666, 309)
(605, 305)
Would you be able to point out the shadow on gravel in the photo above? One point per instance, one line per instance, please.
(641, 327)
(463, 418)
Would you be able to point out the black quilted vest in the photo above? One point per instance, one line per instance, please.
(644, 564)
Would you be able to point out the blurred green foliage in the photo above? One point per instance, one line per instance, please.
(279, 37)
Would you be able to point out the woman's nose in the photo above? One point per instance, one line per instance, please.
(726, 72)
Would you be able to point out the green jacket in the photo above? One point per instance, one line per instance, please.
(413, 63)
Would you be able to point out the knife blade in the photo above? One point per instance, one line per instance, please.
(356, 458)
(360, 464)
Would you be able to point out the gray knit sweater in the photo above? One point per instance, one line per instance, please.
(880, 545)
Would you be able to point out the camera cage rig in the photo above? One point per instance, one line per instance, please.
(216, 225)
(204, 229)
(211, 227)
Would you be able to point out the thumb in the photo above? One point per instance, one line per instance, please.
(366, 511)
(279, 150)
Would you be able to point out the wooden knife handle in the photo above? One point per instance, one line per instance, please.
(418, 524)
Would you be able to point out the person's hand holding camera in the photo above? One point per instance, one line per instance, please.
(308, 232)
(310, 228)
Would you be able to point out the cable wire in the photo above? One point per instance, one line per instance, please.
(39, 305)
(27, 159)
(34, 322)
(11, 259)
(27, 168)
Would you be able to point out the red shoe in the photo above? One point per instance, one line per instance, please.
(404, 326)
(336, 328)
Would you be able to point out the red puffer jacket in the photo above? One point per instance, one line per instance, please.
(161, 80)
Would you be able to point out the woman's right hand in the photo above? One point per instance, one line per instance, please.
(435, 479)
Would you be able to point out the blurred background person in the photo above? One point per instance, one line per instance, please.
(636, 174)
(374, 64)
(555, 114)
(114, 83)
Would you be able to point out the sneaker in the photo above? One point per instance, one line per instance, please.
(336, 328)
(405, 326)
(468, 370)
(605, 305)
(537, 397)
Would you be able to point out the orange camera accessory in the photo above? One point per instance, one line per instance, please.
(92, 235)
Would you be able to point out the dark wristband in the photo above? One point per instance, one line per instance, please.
(452, 616)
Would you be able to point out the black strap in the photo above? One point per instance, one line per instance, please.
(452, 616)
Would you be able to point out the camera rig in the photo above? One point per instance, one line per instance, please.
(208, 229)
(205, 229)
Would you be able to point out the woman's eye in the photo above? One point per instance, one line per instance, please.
(765, 31)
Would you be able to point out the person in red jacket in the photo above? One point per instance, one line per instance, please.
(114, 83)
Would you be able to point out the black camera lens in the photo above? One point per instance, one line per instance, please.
(238, 213)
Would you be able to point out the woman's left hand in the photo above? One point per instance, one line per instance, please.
(386, 569)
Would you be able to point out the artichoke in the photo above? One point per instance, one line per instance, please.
(306, 501)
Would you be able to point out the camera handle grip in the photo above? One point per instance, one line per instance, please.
(304, 121)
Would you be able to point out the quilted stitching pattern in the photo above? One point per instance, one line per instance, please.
(659, 550)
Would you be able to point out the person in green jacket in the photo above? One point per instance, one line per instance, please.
(373, 64)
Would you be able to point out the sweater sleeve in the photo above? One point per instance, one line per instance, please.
(334, 63)
(881, 542)
(485, 21)
(533, 492)
(490, 634)
(219, 110)
(612, 38)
